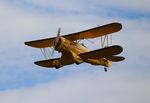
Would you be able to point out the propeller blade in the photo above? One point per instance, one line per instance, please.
(58, 36)
(58, 33)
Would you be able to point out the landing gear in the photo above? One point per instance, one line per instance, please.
(57, 67)
(105, 69)
(77, 63)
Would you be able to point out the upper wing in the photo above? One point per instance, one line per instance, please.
(43, 43)
(101, 53)
(87, 34)
(95, 32)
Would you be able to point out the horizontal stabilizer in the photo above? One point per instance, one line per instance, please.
(115, 58)
(101, 53)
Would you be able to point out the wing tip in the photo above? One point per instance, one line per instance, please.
(37, 63)
(118, 25)
(26, 43)
(32, 44)
(40, 63)
(119, 48)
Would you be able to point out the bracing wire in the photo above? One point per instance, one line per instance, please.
(46, 53)
(111, 39)
(43, 53)
(106, 41)
(103, 39)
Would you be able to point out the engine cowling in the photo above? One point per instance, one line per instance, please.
(57, 43)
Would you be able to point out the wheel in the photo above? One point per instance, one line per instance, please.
(77, 62)
(105, 69)
(57, 67)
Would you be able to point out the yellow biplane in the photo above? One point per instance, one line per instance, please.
(75, 52)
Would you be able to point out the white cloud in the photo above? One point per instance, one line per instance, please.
(18, 24)
(133, 5)
(83, 88)
(88, 6)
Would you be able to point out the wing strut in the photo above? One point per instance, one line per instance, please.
(47, 53)
(106, 41)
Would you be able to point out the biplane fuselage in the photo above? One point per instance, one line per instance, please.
(75, 49)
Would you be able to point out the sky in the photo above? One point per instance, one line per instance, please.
(23, 82)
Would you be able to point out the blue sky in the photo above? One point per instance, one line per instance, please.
(22, 81)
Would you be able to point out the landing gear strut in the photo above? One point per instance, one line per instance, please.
(77, 62)
(105, 69)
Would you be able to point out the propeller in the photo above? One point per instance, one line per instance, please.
(56, 41)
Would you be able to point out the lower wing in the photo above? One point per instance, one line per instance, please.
(47, 63)
(66, 59)
(50, 63)
(102, 53)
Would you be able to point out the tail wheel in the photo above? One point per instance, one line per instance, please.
(105, 69)
(57, 67)
(77, 63)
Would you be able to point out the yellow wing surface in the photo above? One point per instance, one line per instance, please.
(87, 34)
(101, 53)
(47, 63)
(65, 59)
(109, 53)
